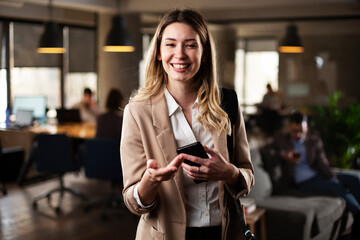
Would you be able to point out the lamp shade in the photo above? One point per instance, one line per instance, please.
(291, 42)
(118, 39)
(52, 39)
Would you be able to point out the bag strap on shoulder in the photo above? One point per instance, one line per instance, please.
(229, 103)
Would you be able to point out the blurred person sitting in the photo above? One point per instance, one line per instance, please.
(88, 108)
(109, 123)
(310, 169)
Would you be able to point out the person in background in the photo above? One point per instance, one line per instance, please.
(88, 107)
(307, 163)
(271, 100)
(270, 111)
(179, 105)
(109, 123)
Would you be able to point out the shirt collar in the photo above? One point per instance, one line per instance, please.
(173, 105)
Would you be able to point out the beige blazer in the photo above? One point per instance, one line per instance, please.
(147, 134)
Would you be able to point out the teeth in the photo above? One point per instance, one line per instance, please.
(180, 66)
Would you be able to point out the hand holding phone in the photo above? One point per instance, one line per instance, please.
(194, 149)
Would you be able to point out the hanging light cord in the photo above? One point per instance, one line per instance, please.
(118, 6)
(50, 10)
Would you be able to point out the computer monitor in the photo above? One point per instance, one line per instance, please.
(35, 103)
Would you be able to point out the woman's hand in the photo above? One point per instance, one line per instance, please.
(158, 174)
(154, 175)
(215, 168)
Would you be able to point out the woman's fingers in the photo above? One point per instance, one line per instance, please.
(159, 173)
(209, 150)
(152, 163)
(177, 161)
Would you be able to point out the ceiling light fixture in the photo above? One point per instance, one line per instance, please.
(52, 39)
(118, 38)
(291, 42)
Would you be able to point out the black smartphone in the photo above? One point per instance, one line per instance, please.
(195, 149)
(296, 155)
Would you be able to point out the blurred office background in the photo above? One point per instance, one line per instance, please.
(247, 35)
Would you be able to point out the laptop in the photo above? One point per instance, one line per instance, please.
(68, 115)
(24, 118)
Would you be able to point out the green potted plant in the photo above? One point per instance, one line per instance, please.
(339, 127)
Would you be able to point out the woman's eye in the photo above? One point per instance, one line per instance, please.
(191, 45)
(170, 45)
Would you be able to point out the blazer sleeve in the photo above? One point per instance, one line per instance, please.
(133, 160)
(241, 160)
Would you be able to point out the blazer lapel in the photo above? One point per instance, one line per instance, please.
(161, 121)
(165, 136)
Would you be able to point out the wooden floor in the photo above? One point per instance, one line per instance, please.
(19, 221)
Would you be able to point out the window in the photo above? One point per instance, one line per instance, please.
(3, 95)
(3, 83)
(257, 64)
(75, 84)
(34, 74)
(82, 72)
(30, 81)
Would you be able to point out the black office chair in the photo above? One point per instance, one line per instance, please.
(102, 161)
(53, 154)
(11, 160)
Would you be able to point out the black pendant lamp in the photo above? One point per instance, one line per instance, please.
(51, 40)
(118, 39)
(291, 42)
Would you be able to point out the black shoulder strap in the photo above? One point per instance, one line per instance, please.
(229, 103)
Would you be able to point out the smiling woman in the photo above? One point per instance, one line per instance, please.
(180, 105)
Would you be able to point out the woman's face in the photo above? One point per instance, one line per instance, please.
(180, 52)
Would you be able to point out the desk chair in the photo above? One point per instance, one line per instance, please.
(53, 155)
(102, 161)
(11, 159)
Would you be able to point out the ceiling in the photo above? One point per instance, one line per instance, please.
(219, 11)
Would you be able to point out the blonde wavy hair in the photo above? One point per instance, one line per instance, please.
(211, 115)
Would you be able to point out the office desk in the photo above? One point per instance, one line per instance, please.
(25, 137)
(73, 130)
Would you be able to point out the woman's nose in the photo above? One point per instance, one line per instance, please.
(180, 52)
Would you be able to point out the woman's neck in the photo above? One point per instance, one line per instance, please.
(183, 94)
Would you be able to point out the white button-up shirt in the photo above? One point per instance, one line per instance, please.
(201, 200)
